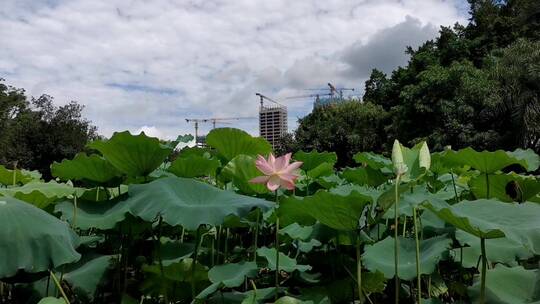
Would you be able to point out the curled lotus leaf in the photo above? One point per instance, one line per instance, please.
(33, 240)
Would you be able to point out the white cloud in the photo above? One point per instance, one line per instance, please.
(150, 64)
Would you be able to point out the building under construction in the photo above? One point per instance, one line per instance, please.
(272, 120)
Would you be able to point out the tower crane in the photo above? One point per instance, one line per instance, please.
(333, 90)
(195, 122)
(317, 96)
(262, 98)
(213, 120)
(224, 119)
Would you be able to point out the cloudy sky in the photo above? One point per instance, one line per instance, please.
(148, 65)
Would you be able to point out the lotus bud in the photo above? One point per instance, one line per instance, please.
(397, 159)
(424, 158)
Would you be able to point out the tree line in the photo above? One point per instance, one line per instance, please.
(34, 132)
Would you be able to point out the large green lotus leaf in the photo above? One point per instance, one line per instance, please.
(187, 202)
(291, 300)
(374, 161)
(508, 285)
(297, 232)
(409, 200)
(231, 142)
(505, 187)
(240, 170)
(501, 250)
(346, 189)
(293, 210)
(373, 282)
(285, 263)
(84, 276)
(494, 219)
(324, 169)
(97, 215)
(228, 275)
(175, 279)
(313, 159)
(174, 251)
(232, 274)
(134, 155)
(333, 210)
(21, 176)
(195, 151)
(194, 166)
(486, 161)
(33, 240)
(380, 256)
(529, 156)
(41, 195)
(93, 169)
(51, 300)
(364, 176)
(330, 181)
(259, 296)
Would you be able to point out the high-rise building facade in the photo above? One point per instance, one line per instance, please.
(272, 123)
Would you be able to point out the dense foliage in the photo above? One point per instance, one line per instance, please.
(34, 132)
(124, 225)
(474, 85)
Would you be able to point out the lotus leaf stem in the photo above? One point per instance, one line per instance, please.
(256, 235)
(404, 225)
(484, 266)
(359, 271)
(276, 245)
(396, 241)
(59, 286)
(418, 273)
(194, 263)
(454, 185)
(487, 185)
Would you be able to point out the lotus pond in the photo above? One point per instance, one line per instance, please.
(133, 221)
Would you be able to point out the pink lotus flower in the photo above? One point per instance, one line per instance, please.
(277, 172)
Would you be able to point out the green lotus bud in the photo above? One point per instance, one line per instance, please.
(424, 158)
(397, 159)
(397, 154)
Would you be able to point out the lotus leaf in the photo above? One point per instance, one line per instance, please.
(501, 250)
(494, 219)
(228, 275)
(51, 300)
(134, 155)
(486, 161)
(285, 263)
(33, 240)
(364, 176)
(313, 159)
(380, 256)
(187, 202)
(333, 210)
(97, 215)
(194, 166)
(506, 187)
(240, 170)
(509, 285)
(93, 169)
(41, 194)
(231, 142)
(84, 276)
(374, 161)
(21, 177)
